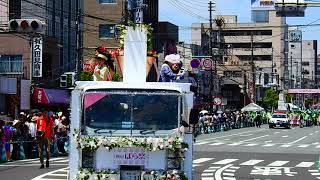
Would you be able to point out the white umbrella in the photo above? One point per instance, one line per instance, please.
(252, 107)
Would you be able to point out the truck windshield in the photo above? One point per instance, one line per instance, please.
(279, 116)
(136, 110)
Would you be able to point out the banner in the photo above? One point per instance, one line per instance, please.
(37, 57)
(25, 95)
(304, 91)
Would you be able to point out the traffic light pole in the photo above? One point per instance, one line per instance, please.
(31, 57)
(210, 49)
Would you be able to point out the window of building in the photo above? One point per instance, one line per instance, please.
(266, 78)
(260, 16)
(106, 30)
(255, 57)
(107, 1)
(11, 64)
(305, 63)
(293, 46)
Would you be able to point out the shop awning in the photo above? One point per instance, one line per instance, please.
(51, 96)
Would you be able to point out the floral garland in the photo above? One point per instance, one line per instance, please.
(92, 143)
(86, 174)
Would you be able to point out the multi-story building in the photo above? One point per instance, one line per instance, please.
(303, 63)
(261, 41)
(105, 15)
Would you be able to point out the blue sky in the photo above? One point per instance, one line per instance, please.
(169, 12)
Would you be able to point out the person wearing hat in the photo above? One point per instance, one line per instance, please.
(45, 134)
(170, 69)
(104, 68)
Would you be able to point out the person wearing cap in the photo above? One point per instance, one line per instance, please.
(45, 127)
(170, 69)
(104, 69)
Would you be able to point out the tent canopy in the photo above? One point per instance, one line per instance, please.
(252, 107)
(292, 106)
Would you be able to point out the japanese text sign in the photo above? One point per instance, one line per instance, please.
(37, 57)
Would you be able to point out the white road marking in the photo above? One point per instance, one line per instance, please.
(230, 170)
(268, 141)
(316, 131)
(48, 174)
(214, 167)
(245, 135)
(315, 143)
(276, 133)
(207, 174)
(209, 170)
(278, 163)
(195, 165)
(207, 178)
(313, 170)
(251, 162)
(285, 136)
(268, 145)
(225, 161)
(315, 174)
(229, 178)
(304, 145)
(255, 138)
(227, 139)
(30, 165)
(219, 172)
(305, 164)
(311, 134)
(201, 160)
(286, 145)
(201, 143)
(228, 174)
(298, 140)
(216, 144)
(234, 167)
(62, 161)
(234, 144)
(318, 146)
(232, 135)
(251, 145)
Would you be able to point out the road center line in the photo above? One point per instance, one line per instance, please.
(297, 140)
(254, 138)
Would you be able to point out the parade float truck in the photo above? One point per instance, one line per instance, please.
(131, 130)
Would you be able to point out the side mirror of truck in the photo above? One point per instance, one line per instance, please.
(194, 116)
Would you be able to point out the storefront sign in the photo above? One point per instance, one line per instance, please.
(37, 57)
(130, 156)
(304, 91)
(262, 4)
(295, 36)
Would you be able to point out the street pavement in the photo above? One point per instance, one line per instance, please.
(242, 154)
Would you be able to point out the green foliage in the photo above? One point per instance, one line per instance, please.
(147, 27)
(86, 76)
(116, 77)
(271, 98)
(309, 101)
(288, 97)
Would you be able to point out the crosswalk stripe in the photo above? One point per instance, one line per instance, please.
(315, 174)
(305, 164)
(304, 145)
(216, 144)
(229, 178)
(251, 145)
(225, 161)
(278, 163)
(209, 170)
(313, 170)
(201, 160)
(62, 161)
(268, 145)
(58, 175)
(230, 170)
(207, 178)
(195, 165)
(228, 174)
(286, 145)
(206, 174)
(214, 167)
(318, 146)
(251, 162)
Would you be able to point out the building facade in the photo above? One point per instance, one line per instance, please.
(238, 44)
(303, 64)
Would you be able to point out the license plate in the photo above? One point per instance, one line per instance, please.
(131, 175)
(278, 125)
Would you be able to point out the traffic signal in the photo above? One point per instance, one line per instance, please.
(67, 79)
(26, 25)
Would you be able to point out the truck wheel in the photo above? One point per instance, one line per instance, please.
(270, 126)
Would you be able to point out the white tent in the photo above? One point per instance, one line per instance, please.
(252, 107)
(292, 106)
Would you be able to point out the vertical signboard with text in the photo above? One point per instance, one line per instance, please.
(37, 57)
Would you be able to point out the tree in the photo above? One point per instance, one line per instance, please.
(271, 98)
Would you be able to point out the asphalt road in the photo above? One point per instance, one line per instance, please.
(243, 154)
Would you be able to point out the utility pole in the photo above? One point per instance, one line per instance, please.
(272, 66)
(210, 48)
(253, 71)
(78, 50)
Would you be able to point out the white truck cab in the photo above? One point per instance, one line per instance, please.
(279, 119)
(131, 131)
